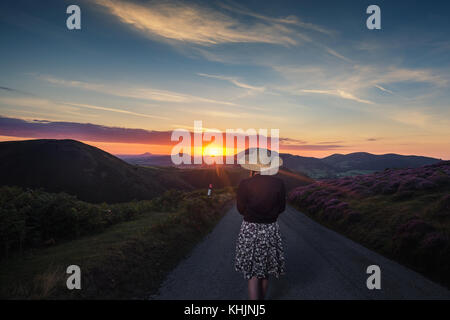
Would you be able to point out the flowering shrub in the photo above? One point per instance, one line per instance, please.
(403, 213)
(434, 240)
(416, 225)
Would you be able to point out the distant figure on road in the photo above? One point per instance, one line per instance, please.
(259, 249)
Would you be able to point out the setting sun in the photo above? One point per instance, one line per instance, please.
(212, 151)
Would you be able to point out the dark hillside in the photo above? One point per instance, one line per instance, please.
(76, 168)
(94, 175)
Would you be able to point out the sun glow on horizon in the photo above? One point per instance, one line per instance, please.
(213, 151)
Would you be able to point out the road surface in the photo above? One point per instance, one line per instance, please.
(320, 264)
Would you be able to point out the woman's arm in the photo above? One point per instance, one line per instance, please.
(241, 198)
(282, 198)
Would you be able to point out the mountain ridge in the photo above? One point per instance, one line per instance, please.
(94, 175)
(333, 166)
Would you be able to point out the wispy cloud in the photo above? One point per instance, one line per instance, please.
(314, 147)
(395, 74)
(135, 92)
(297, 144)
(382, 89)
(329, 142)
(366, 76)
(287, 141)
(234, 81)
(236, 114)
(33, 102)
(7, 89)
(361, 76)
(43, 129)
(338, 93)
(415, 118)
(67, 107)
(354, 82)
(337, 55)
(182, 23)
(292, 20)
(88, 106)
(15, 91)
(72, 83)
(199, 25)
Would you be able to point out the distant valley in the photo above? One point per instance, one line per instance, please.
(334, 166)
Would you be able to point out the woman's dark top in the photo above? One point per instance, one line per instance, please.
(261, 198)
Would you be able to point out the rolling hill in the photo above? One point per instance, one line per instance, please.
(313, 167)
(336, 165)
(79, 169)
(94, 175)
(147, 159)
(367, 162)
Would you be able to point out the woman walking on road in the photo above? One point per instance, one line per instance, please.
(260, 199)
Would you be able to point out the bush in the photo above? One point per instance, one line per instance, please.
(33, 218)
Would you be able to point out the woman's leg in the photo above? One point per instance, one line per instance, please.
(264, 284)
(257, 288)
(254, 289)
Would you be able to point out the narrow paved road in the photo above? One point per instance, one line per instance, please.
(320, 264)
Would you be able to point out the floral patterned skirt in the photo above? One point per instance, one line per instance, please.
(259, 250)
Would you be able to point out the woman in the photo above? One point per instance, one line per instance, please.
(259, 249)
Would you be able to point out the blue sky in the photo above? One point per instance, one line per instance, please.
(309, 68)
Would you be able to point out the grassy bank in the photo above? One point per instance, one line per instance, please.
(403, 214)
(125, 260)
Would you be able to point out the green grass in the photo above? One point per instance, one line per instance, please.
(128, 260)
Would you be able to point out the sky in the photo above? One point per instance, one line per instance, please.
(312, 69)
